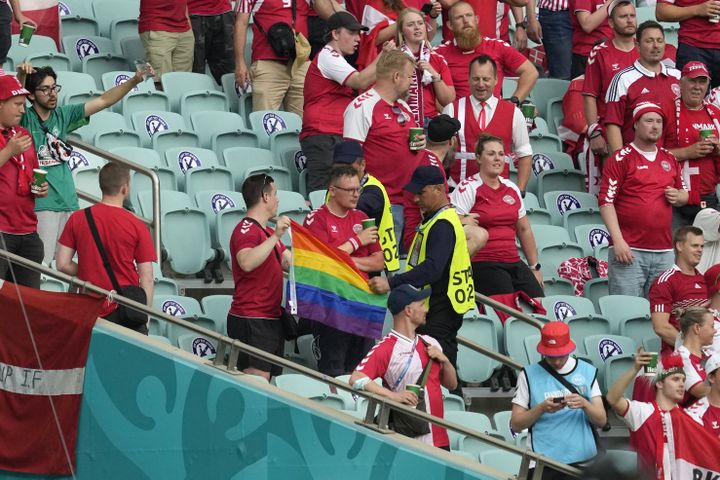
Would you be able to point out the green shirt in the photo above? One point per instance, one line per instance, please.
(63, 120)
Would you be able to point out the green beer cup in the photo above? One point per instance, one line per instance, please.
(415, 132)
(528, 111)
(26, 33)
(368, 223)
(651, 368)
(39, 176)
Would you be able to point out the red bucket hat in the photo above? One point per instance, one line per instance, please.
(555, 340)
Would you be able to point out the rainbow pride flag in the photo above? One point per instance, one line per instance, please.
(325, 286)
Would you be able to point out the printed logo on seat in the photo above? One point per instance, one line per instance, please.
(540, 163)
(171, 307)
(220, 202)
(76, 160)
(598, 236)
(155, 124)
(273, 123)
(566, 202)
(203, 348)
(85, 47)
(122, 78)
(563, 310)
(188, 161)
(300, 161)
(608, 348)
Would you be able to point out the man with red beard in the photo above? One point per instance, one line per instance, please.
(468, 44)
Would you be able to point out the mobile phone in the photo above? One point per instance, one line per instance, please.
(558, 399)
(427, 8)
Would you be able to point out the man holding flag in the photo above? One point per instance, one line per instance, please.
(339, 225)
(438, 258)
(670, 443)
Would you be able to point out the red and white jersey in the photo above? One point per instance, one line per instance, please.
(208, 7)
(672, 289)
(645, 421)
(508, 60)
(554, 5)
(583, 42)
(694, 373)
(709, 414)
(411, 211)
(257, 293)
(637, 84)
(334, 230)
(487, 26)
(384, 131)
(499, 210)
(701, 175)
(604, 62)
(326, 96)
(268, 12)
(390, 360)
(696, 31)
(502, 119)
(635, 182)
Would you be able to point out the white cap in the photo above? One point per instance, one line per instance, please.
(712, 363)
(614, 4)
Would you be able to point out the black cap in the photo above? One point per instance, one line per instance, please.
(345, 20)
(442, 128)
(404, 295)
(424, 176)
(348, 152)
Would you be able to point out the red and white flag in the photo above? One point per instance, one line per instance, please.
(45, 14)
(41, 381)
(695, 450)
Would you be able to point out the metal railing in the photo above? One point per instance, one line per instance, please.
(155, 221)
(228, 350)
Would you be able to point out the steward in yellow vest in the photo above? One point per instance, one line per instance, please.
(439, 259)
(374, 201)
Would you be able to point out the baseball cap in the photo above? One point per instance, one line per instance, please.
(10, 87)
(555, 340)
(712, 363)
(614, 4)
(442, 128)
(695, 69)
(424, 176)
(712, 279)
(348, 152)
(647, 107)
(402, 296)
(345, 20)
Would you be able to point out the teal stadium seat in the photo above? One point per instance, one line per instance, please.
(570, 209)
(132, 49)
(244, 162)
(558, 286)
(77, 18)
(86, 180)
(163, 130)
(293, 205)
(49, 284)
(197, 344)
(502, 425)
(502, 460)
(57, 61)
(590, 236)
(186, 308)
(546, 89)
(142, 97)
(197, 169)
(515, 331)
(266, 123)
(149, 159)
(476, 447)
(554, 247)
(531, 342)
(563, 307)
(186, 237)
(615, 367)
(108, 12)
(40, 45)
(217, 308)
(162, 285)
(221, 130)
(630, 315)
(202, 101)
(451, 402)
(78, 47)
(555, 172)
(624, 460)
(471, 420)
(97, 65)
(474, 367)
(317, 198)
(536, 215)
(554, 115)
(600, 348)
(178, 84)
(595, 289)
(310, 388)
(212, 203)
(101, 122)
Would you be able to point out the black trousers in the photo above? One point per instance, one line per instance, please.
(5, 37)
(27, 246)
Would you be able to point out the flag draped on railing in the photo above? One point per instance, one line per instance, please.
(42, 369)
(325, 286)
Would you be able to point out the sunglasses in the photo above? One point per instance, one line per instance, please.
(401, 118)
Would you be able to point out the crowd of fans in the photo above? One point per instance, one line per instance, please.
(420, 140)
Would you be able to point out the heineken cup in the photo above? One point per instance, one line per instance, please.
(39, 176)
(528, 111)
(415, 143)
(26, 33)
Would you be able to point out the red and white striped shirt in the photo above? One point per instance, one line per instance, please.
(553, 5)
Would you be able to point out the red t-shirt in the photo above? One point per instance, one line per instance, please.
(635, 185)
(326, 96)
(604, 62)
(268, 12)
(710, 415)
(17, 215)
(126, 241)
(163, 16)
(583, 42)
(384, 131)
(636, 84)
(389, 360)
(671, 290)
(508, 60)
(412, 214)
(696, 31)
(499, 210)
(335, 231)
(701, 175)
(258, 293)
(209, 7)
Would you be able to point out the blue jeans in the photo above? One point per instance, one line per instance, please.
(635, 279)
(557, 39)
(709, 56)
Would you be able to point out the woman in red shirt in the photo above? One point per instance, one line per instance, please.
(697, 330)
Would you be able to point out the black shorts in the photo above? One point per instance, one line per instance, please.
(498, 278)
(265, 334)
(339, 352)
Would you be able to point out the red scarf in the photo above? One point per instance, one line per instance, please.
(25, 173)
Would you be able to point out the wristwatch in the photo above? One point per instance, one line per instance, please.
(522, 24)
(535, 267)
(515, 100)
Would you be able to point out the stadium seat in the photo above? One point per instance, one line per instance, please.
(554, 115)
(474, 367)
(141, 183)
(197, 344)
(212, 202)
(162, 285)
(77, 25)
(545, 161)
(97, 65)
(232, 93)
(174, 332)
(177, 305)
(244, 162)
(293, 205)
(202, 101)
(86, 180)
(600, 348)
(624, 460)
(515, 331)
(111, 139)
(615, 367)
(451, 402)
(317, 198)
(596, 289)
(546, 89)
(583, 326)
(177, 84)
(567, 180)
(652, 343)
(602, 251)
(198, 169)
(169, 200)
(563, 307)
(621, 309)
(502, 425)
(536, 215)
(132, 48)
(563, 204)
(305, 347)
(271, 122)
(307, 387)
(40, 45)
(590, 236)
(217, 308)
(475, 447)
(558, 286)
(501, 460)
(186, 237)
(221, 130)
(101, 122)
(57, 61)
(471, 420)
(114, 78)
(531, 342)
(81, 158)
(163, 130)
(77, 47)
(294, 160)
(49, 284)
(109, 11)
(158, 328)
(541, 142)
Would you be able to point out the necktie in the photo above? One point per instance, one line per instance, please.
(481, 117)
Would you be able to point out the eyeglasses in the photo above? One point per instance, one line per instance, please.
(354, 191)
(47, 90)
(401, 118)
